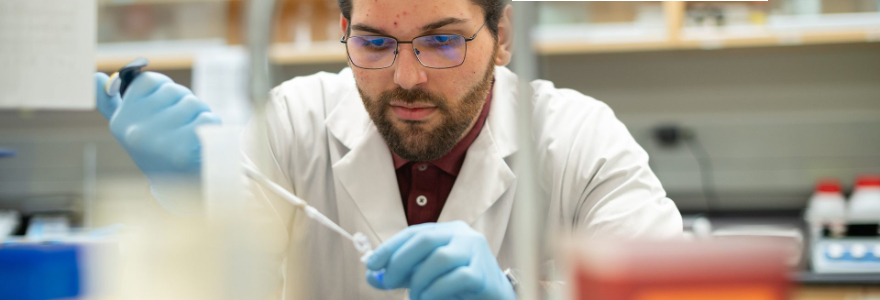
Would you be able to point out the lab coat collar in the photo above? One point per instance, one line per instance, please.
(367, 170)
(348, 121)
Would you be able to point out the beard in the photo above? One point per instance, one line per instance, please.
(410, 139)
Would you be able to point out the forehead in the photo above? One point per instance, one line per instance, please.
(380, 12)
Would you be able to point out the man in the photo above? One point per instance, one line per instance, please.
(413, 145)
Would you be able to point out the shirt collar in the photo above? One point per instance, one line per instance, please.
(452, 161)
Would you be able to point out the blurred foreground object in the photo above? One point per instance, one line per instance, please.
(78, 265)
(39, 271)
(747, 268)
(47, 54)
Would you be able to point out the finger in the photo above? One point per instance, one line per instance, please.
(383, 253)
(164, 97)
(375, 279)
(441, 261)
(188, 157)
(185, 155)
(144, 85)
(403, 262)
(106, 104)
(205, 118)
(182, 113)
(462, 280)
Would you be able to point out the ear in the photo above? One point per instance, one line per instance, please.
(343, 23)
(505, 36)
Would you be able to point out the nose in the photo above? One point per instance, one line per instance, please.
(408, 72)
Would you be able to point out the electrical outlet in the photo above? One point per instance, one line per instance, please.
(668, 135)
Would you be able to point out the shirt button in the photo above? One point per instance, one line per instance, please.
(423, 167)
(421, 200)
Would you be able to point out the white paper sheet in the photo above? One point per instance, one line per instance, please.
(47, 54)
(220, 78)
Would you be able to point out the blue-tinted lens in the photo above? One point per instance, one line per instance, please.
(371, 51)
(441, 51)
(442, 40)
(375, 43)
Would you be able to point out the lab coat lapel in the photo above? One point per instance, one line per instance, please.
(485, 176)
(366, 172)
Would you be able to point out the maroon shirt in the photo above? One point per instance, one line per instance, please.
(424, 186)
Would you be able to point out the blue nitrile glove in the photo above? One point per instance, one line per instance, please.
(439, 261)
(155, 123)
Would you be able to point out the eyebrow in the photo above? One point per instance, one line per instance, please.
(432, 26)
(441, 23)
(368, 28)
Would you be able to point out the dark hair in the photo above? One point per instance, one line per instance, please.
(491, 10)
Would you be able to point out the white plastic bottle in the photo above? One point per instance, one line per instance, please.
(864, 205)
(827, 207)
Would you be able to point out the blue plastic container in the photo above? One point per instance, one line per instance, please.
(39, 271)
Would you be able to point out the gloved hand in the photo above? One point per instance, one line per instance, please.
(155, 123)
(440, 261)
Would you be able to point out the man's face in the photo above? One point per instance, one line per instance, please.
(422, 112)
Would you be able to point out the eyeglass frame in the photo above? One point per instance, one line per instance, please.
(344, 40)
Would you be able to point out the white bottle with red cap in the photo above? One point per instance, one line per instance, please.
(827, 207)
(864, 204)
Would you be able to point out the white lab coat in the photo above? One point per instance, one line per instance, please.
(323, 146)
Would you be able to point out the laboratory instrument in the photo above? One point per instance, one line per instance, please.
(864, 204)
(156, 126)
(9, 221)
(361, 241)
(120, 81)
(48, 227)
(845, 236)
(827, 208)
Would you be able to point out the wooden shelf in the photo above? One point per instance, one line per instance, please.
(157, 62)
(782, 38)
(579, 47)
(131, 2)
(797, 30)
(322, 52)
(282, 54)
(678, 38)
(716, 41)
(333, 52)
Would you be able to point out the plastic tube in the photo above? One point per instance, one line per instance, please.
(311, 212)
(361, 241)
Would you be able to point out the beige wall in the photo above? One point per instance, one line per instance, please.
(773, 120)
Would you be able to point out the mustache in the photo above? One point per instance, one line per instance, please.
(412, 97)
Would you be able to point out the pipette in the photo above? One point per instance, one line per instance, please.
(360, 240)
(120, 81)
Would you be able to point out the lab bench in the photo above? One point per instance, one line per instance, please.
(812, 286)
(806, 284)
(836, 293)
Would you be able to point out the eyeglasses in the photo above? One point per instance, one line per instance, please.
(436, 51)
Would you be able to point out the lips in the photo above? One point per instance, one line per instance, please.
(413, 112)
